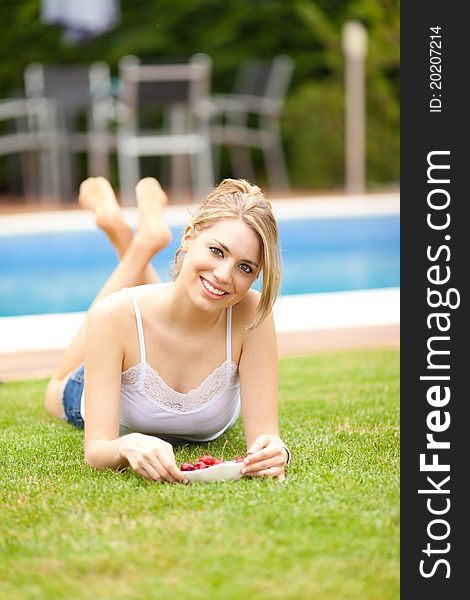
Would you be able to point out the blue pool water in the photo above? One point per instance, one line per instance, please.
(62, 272)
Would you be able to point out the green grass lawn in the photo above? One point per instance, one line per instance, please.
(329, 531)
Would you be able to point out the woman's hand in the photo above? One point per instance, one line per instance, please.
(266, 456)
(151, 457)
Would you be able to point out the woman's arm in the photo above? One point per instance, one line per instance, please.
(108, 325)
(103, 363)
(258, 387)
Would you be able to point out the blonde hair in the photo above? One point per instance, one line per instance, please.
(238, 199)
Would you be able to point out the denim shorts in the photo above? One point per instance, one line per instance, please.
(72, 397)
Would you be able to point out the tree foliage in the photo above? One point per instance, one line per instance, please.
(234, 30)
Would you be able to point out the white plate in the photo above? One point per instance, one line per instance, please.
(227, 471)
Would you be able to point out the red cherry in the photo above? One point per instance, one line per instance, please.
(200, 465)
(217, 461)
(207, 459)
(187, 467)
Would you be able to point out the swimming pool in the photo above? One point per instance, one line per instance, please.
(60, 272)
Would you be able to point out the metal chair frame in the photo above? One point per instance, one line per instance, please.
(181, 92)
(31, 134)
(75, 91)
(258, 95)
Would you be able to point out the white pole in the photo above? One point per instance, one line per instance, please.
(355, 51)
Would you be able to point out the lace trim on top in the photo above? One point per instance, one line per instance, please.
(154, 387)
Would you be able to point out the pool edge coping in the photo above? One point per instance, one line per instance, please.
(292, 313)
(77, 219)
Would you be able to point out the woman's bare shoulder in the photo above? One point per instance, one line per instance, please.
(149, 289)
(114, 302)
(245, 310)
(120, 302)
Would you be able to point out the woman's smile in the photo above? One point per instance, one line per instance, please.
(212, 290)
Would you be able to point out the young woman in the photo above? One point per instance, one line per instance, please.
(172, 362)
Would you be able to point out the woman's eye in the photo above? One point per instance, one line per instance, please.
(216, 251)
(246, 268)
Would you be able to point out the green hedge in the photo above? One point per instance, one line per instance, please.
(231, 31)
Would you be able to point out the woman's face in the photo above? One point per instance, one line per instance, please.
(221, 263)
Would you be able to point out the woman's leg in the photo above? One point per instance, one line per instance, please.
(136, 252)
(97, 195)
(134, 268)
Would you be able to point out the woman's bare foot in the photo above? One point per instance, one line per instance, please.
(97, 195)
(151, 200)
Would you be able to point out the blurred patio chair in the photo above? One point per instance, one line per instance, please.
(162, 111)
(83, 103)
(27, 129)
(249, 118)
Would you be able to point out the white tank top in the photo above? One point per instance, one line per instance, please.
(149, 405)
